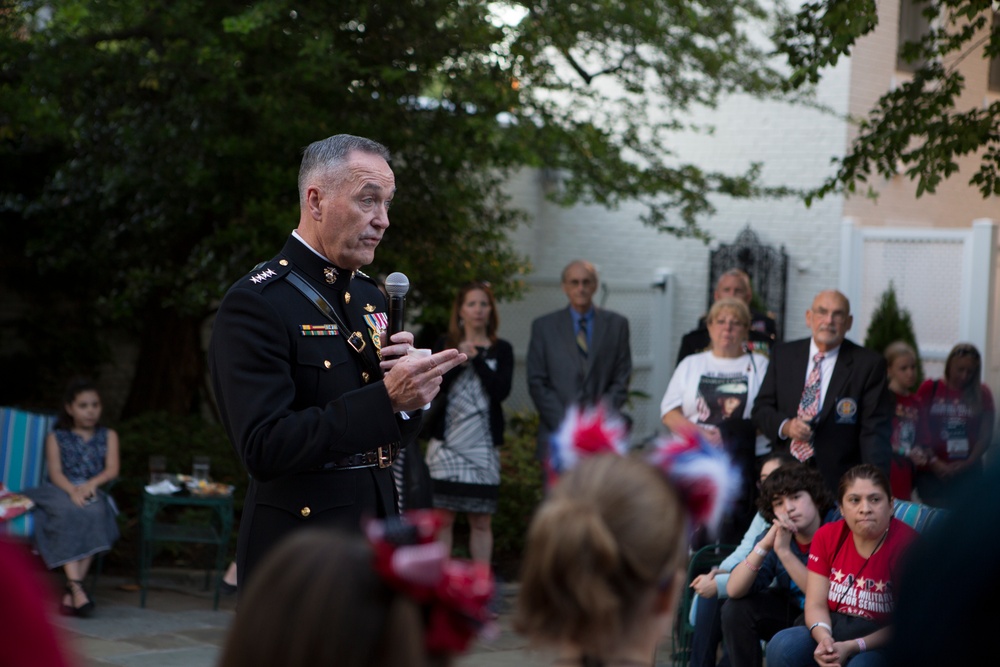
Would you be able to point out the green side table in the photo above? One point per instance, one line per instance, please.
(217, 532)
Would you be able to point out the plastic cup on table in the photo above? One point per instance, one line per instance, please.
(157, 468)
(200, 468)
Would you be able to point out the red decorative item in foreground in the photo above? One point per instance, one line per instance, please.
(702, 474)
(455, 593)
(584, 432)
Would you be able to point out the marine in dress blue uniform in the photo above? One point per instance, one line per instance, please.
(294, 359)
(305, 412)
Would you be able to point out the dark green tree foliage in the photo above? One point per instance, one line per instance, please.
(890, 323)
(149, 150)
(918, 128)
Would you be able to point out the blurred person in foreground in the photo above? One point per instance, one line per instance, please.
(28, 635)
(607, 550)
(947, 612)
(394, 599)
(313, 397)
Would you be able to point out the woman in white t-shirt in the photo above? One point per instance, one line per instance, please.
(714, 391)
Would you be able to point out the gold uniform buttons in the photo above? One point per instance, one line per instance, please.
(305, 512)
(283, 262)
(326, 363)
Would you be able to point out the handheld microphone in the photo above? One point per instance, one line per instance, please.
(396, 285)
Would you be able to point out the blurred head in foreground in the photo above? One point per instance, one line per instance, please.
(329, 598)
(604, 562)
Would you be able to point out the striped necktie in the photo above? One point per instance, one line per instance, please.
(581, 337)
(809, 407)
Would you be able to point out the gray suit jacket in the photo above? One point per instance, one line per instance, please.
(559, 376)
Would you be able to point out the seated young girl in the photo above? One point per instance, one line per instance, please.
(74, 519)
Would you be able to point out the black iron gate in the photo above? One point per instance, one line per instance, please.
(766, 266)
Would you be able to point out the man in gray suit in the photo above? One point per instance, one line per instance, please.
(579, 355)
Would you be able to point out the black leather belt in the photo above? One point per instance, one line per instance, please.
(377, 458)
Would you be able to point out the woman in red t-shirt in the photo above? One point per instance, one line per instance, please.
(851, 592)
(901, 370)
(956, 426)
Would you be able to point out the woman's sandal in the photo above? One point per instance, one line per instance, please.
(85, 609)
(67, 609)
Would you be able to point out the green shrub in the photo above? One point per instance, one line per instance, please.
(890, 323)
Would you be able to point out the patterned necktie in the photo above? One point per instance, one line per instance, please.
(809, 406)
(581, 337)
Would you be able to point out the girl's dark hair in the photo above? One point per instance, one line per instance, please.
(317, 600)
(456, 333)
(973, 393)
(789, 479)
(75, 387)
(863, 471)
(782, 457)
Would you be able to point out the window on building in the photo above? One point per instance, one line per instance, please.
(912, 26)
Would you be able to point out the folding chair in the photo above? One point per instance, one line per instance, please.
(701, 562)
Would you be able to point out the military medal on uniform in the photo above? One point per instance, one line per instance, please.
(318, 329)
(377, 323)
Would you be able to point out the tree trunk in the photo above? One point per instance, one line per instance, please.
(169, 368)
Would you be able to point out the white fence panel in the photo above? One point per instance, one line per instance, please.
(943, 277)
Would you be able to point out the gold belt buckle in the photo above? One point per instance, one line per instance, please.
(357, 341)
(384, 457)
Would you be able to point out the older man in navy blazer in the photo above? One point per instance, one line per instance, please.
(579, 355)
(846, 418)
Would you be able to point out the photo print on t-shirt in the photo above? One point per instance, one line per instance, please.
(721, 397)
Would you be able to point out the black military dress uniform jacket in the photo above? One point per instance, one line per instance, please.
(305, 413)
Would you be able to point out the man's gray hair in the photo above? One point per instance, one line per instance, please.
(582, 263)
(743, 276)
(328, 155)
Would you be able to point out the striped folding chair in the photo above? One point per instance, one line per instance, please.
(22, 460)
